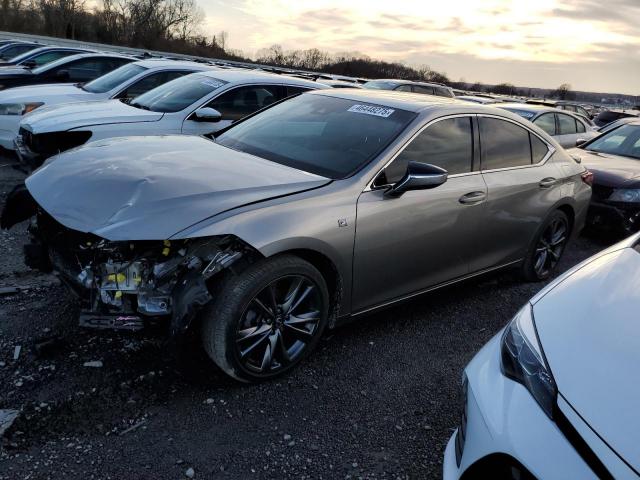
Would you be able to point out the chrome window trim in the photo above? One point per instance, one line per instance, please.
(369, 187)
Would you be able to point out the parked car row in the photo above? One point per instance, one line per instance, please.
(260, 209)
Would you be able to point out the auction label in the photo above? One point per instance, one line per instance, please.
(371, 110)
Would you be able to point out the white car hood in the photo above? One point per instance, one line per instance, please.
(74, 115)
(53, 93)
(590, 332)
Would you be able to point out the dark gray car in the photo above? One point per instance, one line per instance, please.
(322, 207)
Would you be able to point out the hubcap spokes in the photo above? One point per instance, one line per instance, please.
(550, 247)
(278, 324)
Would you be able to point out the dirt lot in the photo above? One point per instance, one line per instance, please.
(379, 399)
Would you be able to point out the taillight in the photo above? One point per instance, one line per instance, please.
(587, 177)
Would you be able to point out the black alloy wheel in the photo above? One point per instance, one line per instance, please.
(266, 318)
(550, 246)
(278, 325)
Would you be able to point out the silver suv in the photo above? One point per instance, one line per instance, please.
(322, 207)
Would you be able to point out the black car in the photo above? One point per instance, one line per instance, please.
(73, 69)
(11, 50)
(608, 116)
(614, 160)
(41, 56)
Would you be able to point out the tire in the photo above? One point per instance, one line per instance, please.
(552, 237)
(256, 328)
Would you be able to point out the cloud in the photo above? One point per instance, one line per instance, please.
(560, 33)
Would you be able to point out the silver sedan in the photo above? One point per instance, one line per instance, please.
(326, 206)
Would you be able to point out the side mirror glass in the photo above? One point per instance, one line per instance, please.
(207, 114)
(419, 176)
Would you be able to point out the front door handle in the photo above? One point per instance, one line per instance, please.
(472, 198)
(547, 182)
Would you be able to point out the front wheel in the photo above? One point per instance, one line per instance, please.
(547, 247)
(265, 320)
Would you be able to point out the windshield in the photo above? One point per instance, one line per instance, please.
(380, 85)
(113, 79)
(24, 56)
(178, 94)
(328, 136)
(623, 141)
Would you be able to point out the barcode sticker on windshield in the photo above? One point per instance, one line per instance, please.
(371, 110)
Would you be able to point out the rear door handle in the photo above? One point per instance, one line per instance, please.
(547, 182)
(472, 198)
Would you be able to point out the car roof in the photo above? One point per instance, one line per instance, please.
(399, 81)
(249, 76)
(163, 63)
(531, 107)
(412, 102)
(69, 58)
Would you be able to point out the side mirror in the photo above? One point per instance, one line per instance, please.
(580, 141)
(419, 176)
(207, 114)
(62, 75)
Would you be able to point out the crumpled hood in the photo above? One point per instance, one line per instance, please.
(73, 115)
(47, 93)
(150, 188)
(610, 170)
(590, 333)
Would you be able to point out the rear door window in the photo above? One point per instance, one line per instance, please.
(566, 124)
(539, 149)
(404, 88)
(503, 144)
(447, 144)
(424, 90)
(546, 122)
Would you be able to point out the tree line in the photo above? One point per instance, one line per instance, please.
(175, 26)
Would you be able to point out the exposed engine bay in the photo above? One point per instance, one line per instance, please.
(131, 284)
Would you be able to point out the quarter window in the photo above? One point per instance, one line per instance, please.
(504, 144)
(539, 149)
(580, 127)
(447, 144)
(243, 101)
(547, 123)
(566, 124)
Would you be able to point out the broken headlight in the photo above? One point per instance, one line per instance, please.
(524, 362)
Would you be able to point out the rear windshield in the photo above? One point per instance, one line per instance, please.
(380, 85)
(178, 94)
(324, 135)
(113, 79)
(523, 113)
(624, 140)
(606, 117)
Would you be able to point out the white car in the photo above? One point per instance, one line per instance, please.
(126, 82)
(554, 394)
(197, 104)
(568, 129)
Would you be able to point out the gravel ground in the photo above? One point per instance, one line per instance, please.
(378, 399)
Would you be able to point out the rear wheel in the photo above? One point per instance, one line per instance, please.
(547, 247)
(266, 319)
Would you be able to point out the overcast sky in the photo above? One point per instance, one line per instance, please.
(591, 44)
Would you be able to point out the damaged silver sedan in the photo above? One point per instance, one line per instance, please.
(317, 209)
